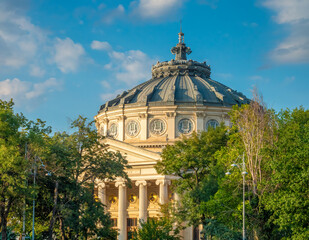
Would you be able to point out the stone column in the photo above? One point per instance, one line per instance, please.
(163, 190)
(142, 215)
(122, 210)
(102, 193)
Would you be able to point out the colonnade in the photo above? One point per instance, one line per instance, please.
(143, 201)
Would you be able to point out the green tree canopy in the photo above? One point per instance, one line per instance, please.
(192, 160)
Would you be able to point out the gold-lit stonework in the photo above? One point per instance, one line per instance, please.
(180, 98)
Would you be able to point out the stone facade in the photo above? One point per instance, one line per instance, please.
(178, 100)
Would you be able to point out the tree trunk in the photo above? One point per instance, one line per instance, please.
(4, 215)
(52, 220)
(63, 237)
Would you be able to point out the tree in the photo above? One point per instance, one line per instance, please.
(193, 161)
(78, 160)
(158, 229)
(255, 125)
(12, 164)
(289, 197)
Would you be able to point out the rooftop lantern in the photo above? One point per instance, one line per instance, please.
(181, 50)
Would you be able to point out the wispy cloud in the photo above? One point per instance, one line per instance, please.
(67, 55)
(19, 38)
(130, 66)
(108, 96)
(111, 15)
(97, 45)
(24, 92)
(155, 10)
(294, 14)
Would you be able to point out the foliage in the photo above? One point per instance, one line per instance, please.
(158, 229)
(193, 161)
(77, 161)
(13, 167)
(289, 198)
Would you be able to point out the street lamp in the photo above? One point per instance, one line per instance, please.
(48, 173)
(242, 168)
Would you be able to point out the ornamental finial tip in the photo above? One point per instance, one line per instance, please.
(180, 34)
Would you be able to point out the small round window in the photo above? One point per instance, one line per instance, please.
(212, 123)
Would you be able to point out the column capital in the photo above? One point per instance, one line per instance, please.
(141, 182)
(120, 184)
(101, 185)
(163, 182)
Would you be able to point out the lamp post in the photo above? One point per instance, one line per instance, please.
(34, 181)
(242, 168)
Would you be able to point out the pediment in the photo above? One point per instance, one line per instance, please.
(134, 155)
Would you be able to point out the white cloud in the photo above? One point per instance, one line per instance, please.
(114, 14)
(105, 84)
(130, 66)
(36, 71)
(294, 14)
(19, 38)
(108, 96)
(154, 9)
(23, 92)
(289, 11)
(67, 55)
(97, 45)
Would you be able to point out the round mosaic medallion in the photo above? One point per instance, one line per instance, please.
(132, 128)
(153, 197)
(132, 198)
(113, 130)
(157, 126)
(112, 199)
(212, 123)
(185, 126)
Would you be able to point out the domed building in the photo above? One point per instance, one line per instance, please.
(179, 99)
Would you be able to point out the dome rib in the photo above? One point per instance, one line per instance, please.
(179, 82)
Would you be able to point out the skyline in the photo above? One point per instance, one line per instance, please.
(61, 59)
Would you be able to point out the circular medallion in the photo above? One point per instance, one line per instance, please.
(185, 126)
(132, 198)
(212, 123)
(112, 199)
(153, 197)
(113, 130)
(157, 126)
(132, 128)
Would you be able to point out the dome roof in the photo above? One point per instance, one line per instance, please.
(179, 82)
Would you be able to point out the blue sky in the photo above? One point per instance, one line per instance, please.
(59, 59)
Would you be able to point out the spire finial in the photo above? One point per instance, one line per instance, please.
(180, 34)
(181, 50)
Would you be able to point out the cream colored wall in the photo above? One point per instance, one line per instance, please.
(171, 115)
